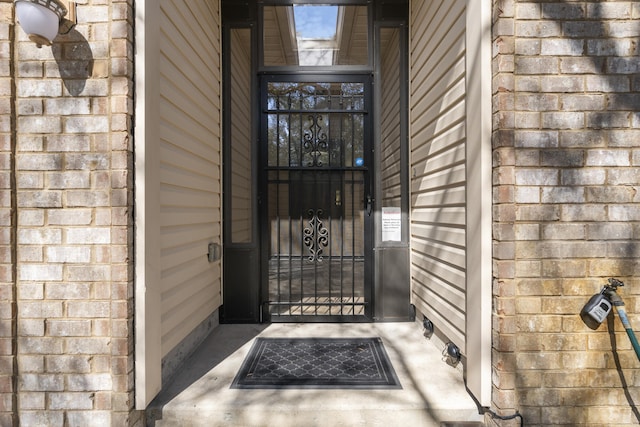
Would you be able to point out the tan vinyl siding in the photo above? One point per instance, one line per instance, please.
(189, 150)
(241, 191)
(390, 119)
(437, 129)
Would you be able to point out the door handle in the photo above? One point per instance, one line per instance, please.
(369, 205)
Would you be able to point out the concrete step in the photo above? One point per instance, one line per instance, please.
(432, 395)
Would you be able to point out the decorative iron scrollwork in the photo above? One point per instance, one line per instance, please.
(316, 236)
(315, 140)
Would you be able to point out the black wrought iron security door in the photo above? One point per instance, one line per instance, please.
(317, 188)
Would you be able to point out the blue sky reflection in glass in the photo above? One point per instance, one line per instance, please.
(316, 22)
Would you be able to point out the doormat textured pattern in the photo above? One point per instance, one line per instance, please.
(275, 363)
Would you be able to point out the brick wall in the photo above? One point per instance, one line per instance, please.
(566, 213)
(72, 220)
(7, 235)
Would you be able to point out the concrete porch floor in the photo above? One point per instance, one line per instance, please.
(432, 394)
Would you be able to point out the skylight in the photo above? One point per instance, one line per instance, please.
(316, 22)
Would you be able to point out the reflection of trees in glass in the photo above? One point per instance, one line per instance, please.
(302, 112)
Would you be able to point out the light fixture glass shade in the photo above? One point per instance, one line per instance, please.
(38, 21)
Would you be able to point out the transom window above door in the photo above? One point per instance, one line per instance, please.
(312, 35)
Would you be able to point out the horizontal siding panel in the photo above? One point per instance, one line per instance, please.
(172, 155)
(443, 197)
(438, 161)
(440, 179)
(177, 290)
(184, 216)
(452, 235)
(443, 73)
(450, 294)
(436, 102)
(445, 273)
(446, 159)
(433, 126)
(444, 141)
(444, 216)
(188, 178)
(181, 196)
(445, 252)
(183, 234)
(444, 33)
(190, 161)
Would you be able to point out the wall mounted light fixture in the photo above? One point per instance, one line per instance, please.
(43, 20)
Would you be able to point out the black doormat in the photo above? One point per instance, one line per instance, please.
(275, 363)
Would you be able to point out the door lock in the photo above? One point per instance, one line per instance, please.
(369, 205)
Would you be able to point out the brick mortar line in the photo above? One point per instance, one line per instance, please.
(13, 218)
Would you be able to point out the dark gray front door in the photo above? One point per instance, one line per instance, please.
(316, 198)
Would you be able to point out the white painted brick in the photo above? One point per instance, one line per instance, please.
(68, 143)
(30, 180)
(31, 291)
(562, 120)
(31, 364)
(40, 273)
(607, 83)
(31, 217)
(39, 124)
(41, 382)
(92, 235)
(68, 254)
(30, 142)
(89, 309)
(89, 161)
(608, 158)
(67, 291)
(67, 106)
(38, 162)
(624, 213)
(562, 47)
(40, 199)
(68, 328)
(584, 176)
(89, 346)
(89, 418)
(40, 236)
(563, 195)
(42, 418)
(40, 309)
(68, 180)
(31, 327)
(31, 401)
(527, 194)
(618, 29)
(84, 125)
(87, 198)
(27, 107)
(69, 216)
(30, 69)
(39, 88)
(536, 177)
(94, 273)
(68, 364)
(89, 382)
(86, 88)
(73, 401)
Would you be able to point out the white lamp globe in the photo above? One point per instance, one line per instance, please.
(39, 22)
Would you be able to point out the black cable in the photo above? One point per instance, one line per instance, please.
(505, 417)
